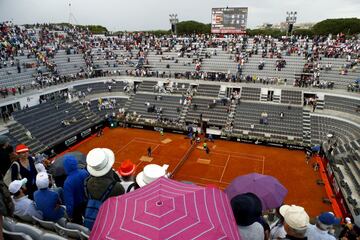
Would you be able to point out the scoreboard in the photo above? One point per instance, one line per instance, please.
(229, 20)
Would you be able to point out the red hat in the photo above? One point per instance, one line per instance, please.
(21, 148)
(126, 168)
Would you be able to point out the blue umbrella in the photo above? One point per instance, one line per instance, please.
(57, 167)
(315, 148)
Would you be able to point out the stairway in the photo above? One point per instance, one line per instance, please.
(231, 115)
(320, 104)
(129, 101)
(263, 97)
(277, 98)
(94, 118)
(306, 127)
(222, 94)
(18, 132)
(183, 114)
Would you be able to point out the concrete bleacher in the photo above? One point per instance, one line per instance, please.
(342, 130)
(352, 146)
(248, 114)
(221, 62)
(170, 106)
(333, 75)
(147, 86)
(293, 97)
(294, 64)
(66, 67)
(342, 104)
(208, 90)
(213, 114)
(101, 87)
(252, 94)
(44, 121)
(107, 110)
(162, 64)
(9, 76)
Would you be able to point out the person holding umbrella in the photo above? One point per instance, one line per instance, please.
(247, 211)
(267, 188)
(166, 209)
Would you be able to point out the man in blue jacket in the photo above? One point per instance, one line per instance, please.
(74, 194)
(47, 201)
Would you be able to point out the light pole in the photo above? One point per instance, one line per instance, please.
(290, 20)
(173, 20)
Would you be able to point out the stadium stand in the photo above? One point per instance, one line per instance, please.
(150, 83)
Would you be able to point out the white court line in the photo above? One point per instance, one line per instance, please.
(238, 156)
(246, 156)
(146, 139)
(139, 141)
(152, 150)
(205, 179)
(227, 161)
(238, 153)
(123, 147)
(263, 166)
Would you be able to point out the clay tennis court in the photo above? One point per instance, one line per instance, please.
(225, 161)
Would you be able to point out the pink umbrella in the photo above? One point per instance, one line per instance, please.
(167, 209)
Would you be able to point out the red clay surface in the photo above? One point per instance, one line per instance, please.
(227, 161)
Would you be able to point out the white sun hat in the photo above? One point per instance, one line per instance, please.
(150, 173)
(100, 161)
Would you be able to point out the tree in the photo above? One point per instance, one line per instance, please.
(303, 32)
(334, 26)
(189, 27)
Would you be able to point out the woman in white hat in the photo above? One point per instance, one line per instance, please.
(150, 173)
(99, 164)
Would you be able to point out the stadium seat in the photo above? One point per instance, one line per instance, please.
(77, 227)
(9, 224)
(49, 225)
(84, 236)
(15, 235)
(50, 236)
(34, 232)
(25, 218)
(67, 232)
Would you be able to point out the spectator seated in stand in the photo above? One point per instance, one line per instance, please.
(247, 211)
(324, 224)
(24, 207)
(48, 201)
(296, 221)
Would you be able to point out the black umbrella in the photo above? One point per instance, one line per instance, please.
(57, 167)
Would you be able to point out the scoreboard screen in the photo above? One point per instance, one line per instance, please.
(229, 20)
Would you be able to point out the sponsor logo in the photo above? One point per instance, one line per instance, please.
(158, 129)
(86, 132)
(71, 141)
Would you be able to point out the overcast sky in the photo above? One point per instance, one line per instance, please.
(154, 14)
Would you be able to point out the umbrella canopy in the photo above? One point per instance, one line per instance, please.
(57, 167)
(167, 209)
(270, 191)
(316, 148)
